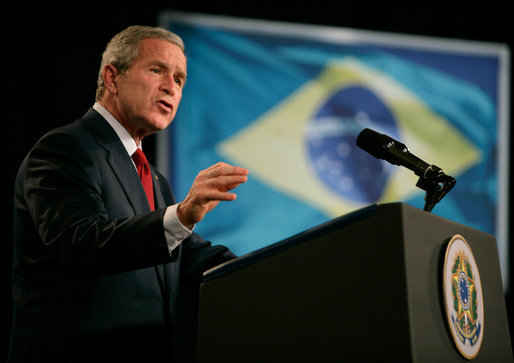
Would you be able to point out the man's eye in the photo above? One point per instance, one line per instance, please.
(156, 70)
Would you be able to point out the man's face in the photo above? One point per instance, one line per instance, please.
(149, 92)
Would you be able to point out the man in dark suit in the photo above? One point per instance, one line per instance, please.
(101, 270)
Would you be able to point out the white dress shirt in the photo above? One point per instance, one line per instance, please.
(174, 231)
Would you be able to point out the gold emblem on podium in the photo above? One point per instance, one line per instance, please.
(463, 297)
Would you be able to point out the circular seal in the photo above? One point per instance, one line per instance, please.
(463, 297)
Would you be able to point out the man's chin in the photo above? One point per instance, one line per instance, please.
(160, 123)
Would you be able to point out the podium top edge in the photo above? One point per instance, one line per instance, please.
(289, 242)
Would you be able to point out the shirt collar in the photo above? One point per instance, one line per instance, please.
(126, 139)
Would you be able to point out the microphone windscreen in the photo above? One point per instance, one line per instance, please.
(373, 142)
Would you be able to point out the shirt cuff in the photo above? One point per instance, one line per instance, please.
(174, 231)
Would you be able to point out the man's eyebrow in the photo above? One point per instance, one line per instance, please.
(181, 73)
(160, 64)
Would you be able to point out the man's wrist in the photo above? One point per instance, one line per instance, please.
(182, 219)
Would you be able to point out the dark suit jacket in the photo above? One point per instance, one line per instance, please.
(92, 273)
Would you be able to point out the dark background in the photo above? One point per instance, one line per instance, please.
(51, 54)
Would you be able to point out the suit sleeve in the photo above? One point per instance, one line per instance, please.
(199, 255)
(60, 194)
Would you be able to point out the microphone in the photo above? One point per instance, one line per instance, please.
(386, 148)
(431, 178)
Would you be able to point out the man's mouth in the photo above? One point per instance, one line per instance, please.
(168, 107)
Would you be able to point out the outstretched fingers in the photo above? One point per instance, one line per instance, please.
(222, 169)
(211, 186)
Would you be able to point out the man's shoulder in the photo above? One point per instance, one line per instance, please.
(73, 135)
(78, 132)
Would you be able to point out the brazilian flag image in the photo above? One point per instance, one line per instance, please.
(288, 102)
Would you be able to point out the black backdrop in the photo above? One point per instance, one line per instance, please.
(51, 54)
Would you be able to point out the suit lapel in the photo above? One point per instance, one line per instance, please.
(157, 192)
(119, 161)
(121, 164)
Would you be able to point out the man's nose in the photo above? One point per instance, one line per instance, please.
(169, 86)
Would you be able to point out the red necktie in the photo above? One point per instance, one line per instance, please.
(143, 169)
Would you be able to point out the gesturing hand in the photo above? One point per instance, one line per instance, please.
(209, 188)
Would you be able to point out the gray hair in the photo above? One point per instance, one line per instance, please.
(123, 48)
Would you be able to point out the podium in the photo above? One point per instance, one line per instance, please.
(367, 286)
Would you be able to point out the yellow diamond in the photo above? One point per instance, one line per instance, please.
(273, 147)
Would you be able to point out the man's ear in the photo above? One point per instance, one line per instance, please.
(109, 74)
